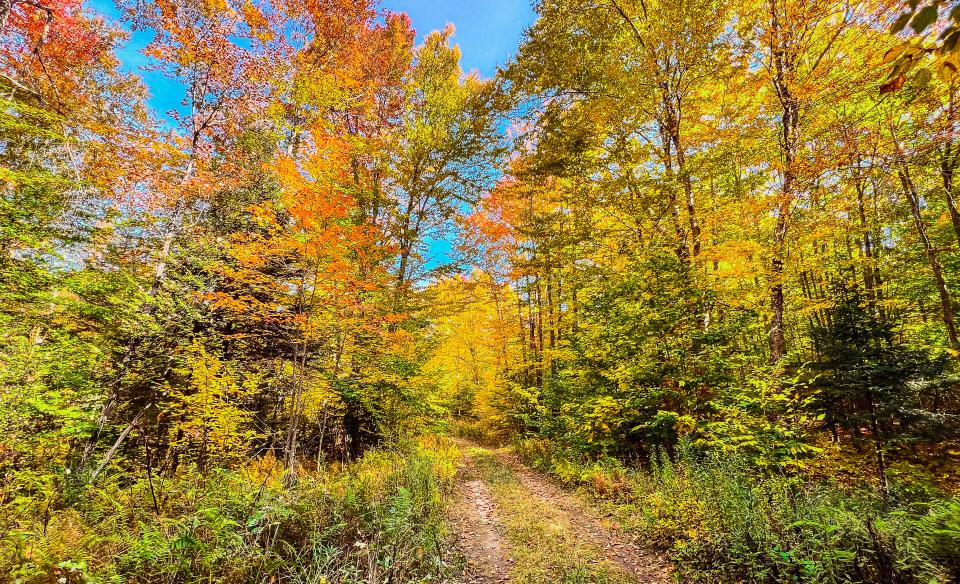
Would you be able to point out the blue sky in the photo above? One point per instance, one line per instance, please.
(488, 32)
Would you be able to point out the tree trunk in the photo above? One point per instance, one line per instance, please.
(871, 271)
(949, 160)
(6, 6)
(946, 302)
(687, 188)
(682, 245)
(116, 445)
(783, 69)
(879, 446)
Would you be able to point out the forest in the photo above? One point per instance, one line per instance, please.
(698, 323)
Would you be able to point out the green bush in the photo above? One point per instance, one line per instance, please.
(378, 519)
(722, 520)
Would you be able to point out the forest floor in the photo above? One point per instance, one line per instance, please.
(514, 525)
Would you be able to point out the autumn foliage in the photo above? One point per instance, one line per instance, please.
(698, 246)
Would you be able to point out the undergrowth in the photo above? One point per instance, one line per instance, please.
(721, 520)
(376, 520)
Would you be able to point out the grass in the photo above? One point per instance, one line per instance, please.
(379, 519)
(721, 520)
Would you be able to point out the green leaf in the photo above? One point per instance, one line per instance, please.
(900, 22)
(950, 43)
(924, 18)
(894, 52)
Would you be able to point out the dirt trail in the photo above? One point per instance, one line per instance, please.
(475, 524)
(641, 565)
(483, 542)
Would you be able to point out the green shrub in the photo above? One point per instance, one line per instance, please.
(722, 520)
(378, 519)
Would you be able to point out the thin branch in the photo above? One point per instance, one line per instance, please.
(629, 21)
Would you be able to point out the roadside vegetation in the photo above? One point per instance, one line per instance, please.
(723, 520)
(379, 519)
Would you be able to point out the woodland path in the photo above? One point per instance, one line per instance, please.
(515, 525)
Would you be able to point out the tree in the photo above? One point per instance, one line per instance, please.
(68, 114)
(866, 380)
(445, 152)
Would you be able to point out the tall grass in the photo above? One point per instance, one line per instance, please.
(376, 520)
(721, 520)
